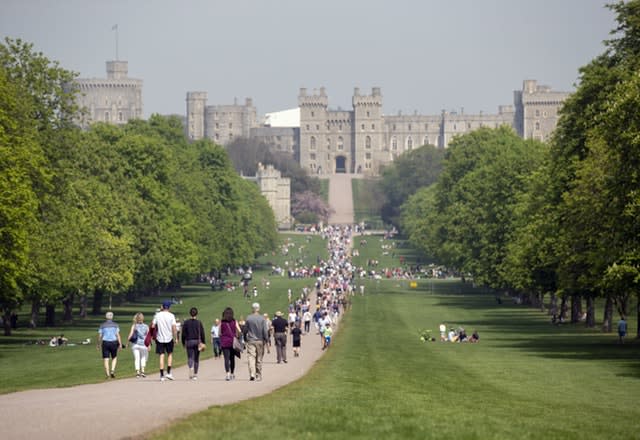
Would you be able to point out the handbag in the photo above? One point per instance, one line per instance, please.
(201, 345)
(134, 336)
(237, 345)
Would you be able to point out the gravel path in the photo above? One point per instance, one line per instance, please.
(136, 406)
(341, 199)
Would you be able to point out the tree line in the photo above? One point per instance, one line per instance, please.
(559, 219)
(114, 210)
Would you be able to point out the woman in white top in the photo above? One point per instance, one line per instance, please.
(140, 351)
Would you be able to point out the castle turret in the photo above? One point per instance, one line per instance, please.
(368, 131)
(196, 102)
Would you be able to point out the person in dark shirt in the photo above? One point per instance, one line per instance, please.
(296, 337)
(280, 336)
(192, 336)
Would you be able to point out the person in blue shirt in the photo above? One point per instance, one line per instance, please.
(110, 342)
(622, 329)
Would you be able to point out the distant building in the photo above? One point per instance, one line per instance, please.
(363, 140)
(115, 99)
(277, 190)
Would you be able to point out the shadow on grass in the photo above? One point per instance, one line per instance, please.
(535, 335)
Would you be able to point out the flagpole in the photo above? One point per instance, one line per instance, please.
(115, 28)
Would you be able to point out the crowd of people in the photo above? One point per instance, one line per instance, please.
(230, 337)
(457, 334)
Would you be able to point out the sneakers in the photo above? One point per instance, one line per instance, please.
(233, 376)
(162, 379)
(258, 377)
(169, 376)
(194, 377)
(138, 374)
(112, 374)
(252, 378)
(228, 377)
(142, 374)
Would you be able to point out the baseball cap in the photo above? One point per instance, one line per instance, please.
(166, 304)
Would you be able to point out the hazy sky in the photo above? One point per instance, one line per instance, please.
(426, 55)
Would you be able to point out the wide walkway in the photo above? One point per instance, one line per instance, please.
(341, 199)
(126, 408)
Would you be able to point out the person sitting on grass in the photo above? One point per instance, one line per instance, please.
(475, 337)
(453, 337)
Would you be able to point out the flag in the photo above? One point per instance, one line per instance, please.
(114, 27)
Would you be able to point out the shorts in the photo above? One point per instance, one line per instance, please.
(164, 347)
(110, 349)
(296, 343)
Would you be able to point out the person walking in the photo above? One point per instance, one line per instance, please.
(229, 329)
(296, 337)
(192, 337)
(622, 329)
(269, 333)
(137, 335)
(166, 334)
(256, 335)
(110, 342)
(280, 336)
(215, 339)
(306, 317)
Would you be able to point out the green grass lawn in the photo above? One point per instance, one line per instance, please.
(525, 379)
(25, 365)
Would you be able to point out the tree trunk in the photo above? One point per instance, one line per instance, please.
(50, 315)
(541, 301)
(83, 306)
(97, 302)
(6, 323)
(591, 312)
(563, 309)
(553, 304)
(638, 318)
(35, 313)
(575, 308)
(68, 308)
(608, 315)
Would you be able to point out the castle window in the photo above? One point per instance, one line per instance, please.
(340, 143)
(328, 144)
(367, 156)
(120, 116)
(362, 127)
(312, 143)
(545, 114)
(230, 125)
(394, 143)
(307, 127)
(426, 126)
(537, 113)
(454, 127)
(409, 143)
(409, 127)
(373, 126)
(230, 136)
(106, 116)
(312, 114)
(312, 156)
(537, 126)
(217, 136)
(317, 127)
(368, 114)
(367, 142)
(426, 141)
(393, 127)
(469, 125)
(340, 127)
(217, 126)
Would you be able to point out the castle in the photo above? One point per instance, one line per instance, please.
(114, 99)
(363, 140)
(277, 190)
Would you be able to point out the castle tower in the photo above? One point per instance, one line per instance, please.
(368, 132)
(115, 99)
(117, 69)
(196, 102)
(314, 152)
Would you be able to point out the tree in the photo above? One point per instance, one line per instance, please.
(408, 173)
